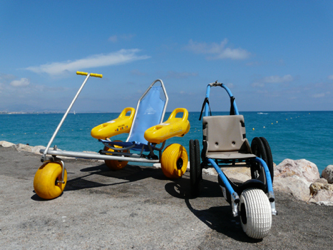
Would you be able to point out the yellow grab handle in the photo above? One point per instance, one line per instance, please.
(91, 74)
(81, 73)
(96, 75)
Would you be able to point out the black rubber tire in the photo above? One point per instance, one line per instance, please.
(269, 157)
(198, 163)
(195, 169)
(257, 171)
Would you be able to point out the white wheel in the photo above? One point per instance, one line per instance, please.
(255, 213)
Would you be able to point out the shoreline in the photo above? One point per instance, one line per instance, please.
(299, 178)
(139, 208)
(102, 112)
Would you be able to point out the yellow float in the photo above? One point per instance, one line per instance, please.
(174, 126)
(114, 164)
(174, 161)
(120, 125)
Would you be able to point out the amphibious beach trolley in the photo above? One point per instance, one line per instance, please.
(147, 135)
(225, 145)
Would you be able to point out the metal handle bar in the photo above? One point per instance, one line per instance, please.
(68, 109)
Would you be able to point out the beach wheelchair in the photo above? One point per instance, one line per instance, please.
(225, 145)
(147, 135)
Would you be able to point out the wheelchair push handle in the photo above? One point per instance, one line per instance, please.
(215, 84)
(206, 108)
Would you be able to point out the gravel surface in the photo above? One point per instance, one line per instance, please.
(138, 208)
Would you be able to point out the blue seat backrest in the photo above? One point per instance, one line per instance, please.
(148, 114)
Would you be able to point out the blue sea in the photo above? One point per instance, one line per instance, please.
(293, 135)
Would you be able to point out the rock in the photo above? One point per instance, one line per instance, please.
(91, 152)
(328, 173)
(323, 196)
(293, 185)
(209, 171)
(324, 203)
(158, 165)
(23, 147)
(322, 192)
(36, 149)
(316, 187)
(328, 187)
(238, 173)
(7, 144)
(234, 171)
(302, 168)
(322, 180)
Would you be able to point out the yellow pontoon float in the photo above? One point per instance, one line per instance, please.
(147, 134)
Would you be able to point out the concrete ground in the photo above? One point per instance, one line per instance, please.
(138, 208)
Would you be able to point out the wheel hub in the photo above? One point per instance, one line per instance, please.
(179, 163)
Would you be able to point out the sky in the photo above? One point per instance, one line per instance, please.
(273, 55)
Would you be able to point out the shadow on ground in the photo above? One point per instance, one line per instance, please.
(218, 218)
(127, 174)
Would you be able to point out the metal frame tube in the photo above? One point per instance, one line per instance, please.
(222, 176)
(234, 196)
(97, 156)
(63, 118)
(268, 175)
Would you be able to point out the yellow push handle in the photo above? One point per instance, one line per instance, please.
(91, 74)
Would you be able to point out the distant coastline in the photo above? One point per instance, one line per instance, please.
(24, 113)
(262, 112)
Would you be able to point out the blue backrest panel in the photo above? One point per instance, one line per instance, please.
(149, 113)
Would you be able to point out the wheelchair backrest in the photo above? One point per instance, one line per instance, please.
(224, 133)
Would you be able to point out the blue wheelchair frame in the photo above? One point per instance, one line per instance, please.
(234, 195)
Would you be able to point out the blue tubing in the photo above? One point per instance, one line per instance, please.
(207, 95)
(268, 174)
(223, 177)
(229, 187)
(229, 93)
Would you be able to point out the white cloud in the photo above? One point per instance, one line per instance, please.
(20, 83)
(180, 75)
(137, 72)
(258, 84)
(217, 51)
(278, 79)
(319, 95)
(119, 57)
(115, 38)
(7, 77)
(230, 85)
(330, 77)
(273, 79)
